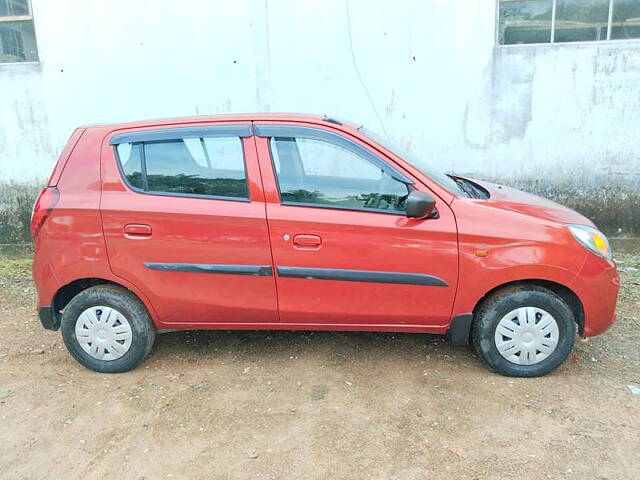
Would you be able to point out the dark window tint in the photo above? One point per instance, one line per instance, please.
(10, 8)
(18, 42)
(211, 166)
(312, 171)
(532, 21)
(525, 21)
(129, 156)
(581, 20)
(626, 19)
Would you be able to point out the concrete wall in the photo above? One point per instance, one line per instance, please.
(558, 119)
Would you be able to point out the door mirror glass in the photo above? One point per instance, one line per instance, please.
(419, 204)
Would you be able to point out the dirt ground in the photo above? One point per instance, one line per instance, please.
(314, 405)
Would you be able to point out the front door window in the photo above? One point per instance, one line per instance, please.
(318, 172)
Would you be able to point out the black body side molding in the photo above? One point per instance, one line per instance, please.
(361, 276)
(458, 333)
(256, 270)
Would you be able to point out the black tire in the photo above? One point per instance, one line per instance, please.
(122, 300)
(498, 305)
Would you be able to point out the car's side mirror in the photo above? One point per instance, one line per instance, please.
(419, 204)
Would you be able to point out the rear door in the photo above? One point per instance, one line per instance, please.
(344, 251)
(184, 221)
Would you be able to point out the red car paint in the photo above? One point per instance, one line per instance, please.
(100, 230)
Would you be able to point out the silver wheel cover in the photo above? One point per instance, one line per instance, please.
(104, 333)
(527, 335)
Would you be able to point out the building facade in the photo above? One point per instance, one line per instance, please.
(540, 94)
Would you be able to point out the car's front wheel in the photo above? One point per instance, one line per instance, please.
(524, 331)
(107, 329)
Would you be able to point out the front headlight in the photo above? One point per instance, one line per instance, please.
(591, 238)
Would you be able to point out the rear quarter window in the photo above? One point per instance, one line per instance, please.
(129, 158)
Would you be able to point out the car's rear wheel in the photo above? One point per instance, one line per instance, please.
(524, 331)
(107, 329)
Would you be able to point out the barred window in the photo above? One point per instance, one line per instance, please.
(17, 33)
(561, 21)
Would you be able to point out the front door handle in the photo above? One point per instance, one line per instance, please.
(137, 230)
(307, 241)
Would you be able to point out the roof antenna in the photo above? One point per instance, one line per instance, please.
(330, 120)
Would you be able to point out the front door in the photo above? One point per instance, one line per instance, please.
(344, 251)
(184, 221)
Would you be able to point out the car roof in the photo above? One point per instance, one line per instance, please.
(230, 117)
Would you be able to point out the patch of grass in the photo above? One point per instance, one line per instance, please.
(17, 290)
(15, 268)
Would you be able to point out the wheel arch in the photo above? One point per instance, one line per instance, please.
(64, 294)
(564, 292)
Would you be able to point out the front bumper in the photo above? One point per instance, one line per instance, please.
(49, 319)
(597, 286)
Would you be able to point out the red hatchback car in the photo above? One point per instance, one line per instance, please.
(274, 221)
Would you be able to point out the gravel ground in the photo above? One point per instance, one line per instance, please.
(314, 405)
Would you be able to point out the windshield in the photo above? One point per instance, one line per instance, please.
(434, 174)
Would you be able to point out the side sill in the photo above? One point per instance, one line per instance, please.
(333, 327)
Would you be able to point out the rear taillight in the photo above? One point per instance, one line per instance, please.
(45, 203)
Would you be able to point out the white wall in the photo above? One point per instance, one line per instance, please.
(427, 72)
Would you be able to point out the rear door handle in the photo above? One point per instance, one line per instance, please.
(137, 230)
(307, 241)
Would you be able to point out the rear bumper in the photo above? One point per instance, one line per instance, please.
(597, 286)
(49, 319)
(46, 285)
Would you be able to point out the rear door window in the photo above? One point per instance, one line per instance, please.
(212, 167)
(193, 166)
